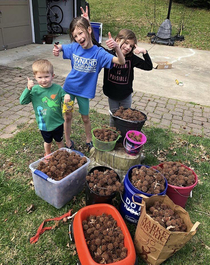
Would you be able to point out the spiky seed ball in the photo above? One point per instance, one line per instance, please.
(98, 242)
(103, 247)
(110, 246)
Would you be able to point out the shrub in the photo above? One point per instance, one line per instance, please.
(195, 3)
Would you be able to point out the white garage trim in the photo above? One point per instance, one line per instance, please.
(32, 21)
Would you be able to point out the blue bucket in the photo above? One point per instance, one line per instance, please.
(96, 26)
(129, 209)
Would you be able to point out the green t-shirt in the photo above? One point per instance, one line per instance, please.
(47, 104)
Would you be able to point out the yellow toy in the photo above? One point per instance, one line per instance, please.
(69, 106)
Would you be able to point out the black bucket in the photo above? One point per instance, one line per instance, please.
(91, 196)
(124, 125)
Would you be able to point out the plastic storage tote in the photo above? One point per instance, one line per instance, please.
(58, 193)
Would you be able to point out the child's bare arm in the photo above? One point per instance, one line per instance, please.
(57, 49)
(112, 44)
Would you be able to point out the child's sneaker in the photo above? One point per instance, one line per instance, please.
(89, 146)
(72, 145)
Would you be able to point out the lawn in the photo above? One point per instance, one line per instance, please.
(144, 17)
(22, 211)
(19, 223)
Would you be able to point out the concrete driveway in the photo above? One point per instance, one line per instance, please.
(189, 66)
(184, 109)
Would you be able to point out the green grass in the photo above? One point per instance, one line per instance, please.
(143, 16)
(54, 247)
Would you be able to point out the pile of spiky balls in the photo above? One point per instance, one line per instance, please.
(177, 174)
(105, 182)
(166, 217)
(61, 163)
(105, 240)
(135, 137)
(129, 114)
(106, 134)
(147, 179)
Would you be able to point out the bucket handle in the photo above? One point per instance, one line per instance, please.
(195, 226)
(181, 194)
(41, 174)
(140, 195)
(132, 148)
(132, 200)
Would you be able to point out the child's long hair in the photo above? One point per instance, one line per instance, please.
(126, 34)
(80, 22)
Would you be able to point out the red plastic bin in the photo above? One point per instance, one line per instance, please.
(79, 238)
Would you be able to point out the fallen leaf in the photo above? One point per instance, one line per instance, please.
(65, 219)
(55, 225)
(30, 208)
(207, 247)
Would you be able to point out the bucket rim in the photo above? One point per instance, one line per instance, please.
(105, 168)
(144, 193)
(116, 117)
(111, 142)
(134, 142)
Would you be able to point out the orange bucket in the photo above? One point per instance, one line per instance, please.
(82, 248)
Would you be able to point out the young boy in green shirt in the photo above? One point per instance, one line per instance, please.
(47, 99)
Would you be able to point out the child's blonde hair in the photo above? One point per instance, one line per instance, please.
(79, 22)
(126, 34)
(43, 66)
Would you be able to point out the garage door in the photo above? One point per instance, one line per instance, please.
(15, 23)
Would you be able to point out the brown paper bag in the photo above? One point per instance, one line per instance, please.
(152, 241)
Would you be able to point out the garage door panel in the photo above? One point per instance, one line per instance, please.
(15, 23)
(16, 36)
(16, 15)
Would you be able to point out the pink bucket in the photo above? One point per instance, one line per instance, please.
(132, 147)
(179, 195)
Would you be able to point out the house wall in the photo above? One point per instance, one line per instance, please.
(25, 21)
(40, 20)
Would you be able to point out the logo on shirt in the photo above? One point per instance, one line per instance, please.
(84, 64)
(120, 74)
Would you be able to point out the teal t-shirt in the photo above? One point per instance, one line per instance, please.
(47, 104)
